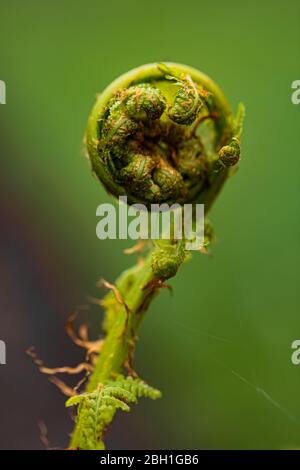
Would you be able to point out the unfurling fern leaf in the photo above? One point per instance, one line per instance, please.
(159, 134)
(97, 409)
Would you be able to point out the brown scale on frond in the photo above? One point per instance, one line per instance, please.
(91, 347)
(81, 340)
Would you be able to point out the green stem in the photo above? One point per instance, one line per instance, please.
(122, 335)
(137, 291)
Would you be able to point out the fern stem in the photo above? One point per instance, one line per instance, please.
(118, 348)
(122, 335)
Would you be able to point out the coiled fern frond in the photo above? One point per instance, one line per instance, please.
(162, 133)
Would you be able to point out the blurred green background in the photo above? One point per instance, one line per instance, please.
(220, 347)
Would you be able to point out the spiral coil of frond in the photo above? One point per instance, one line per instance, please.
(162, 133)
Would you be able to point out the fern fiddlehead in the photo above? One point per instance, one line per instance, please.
(159, 133)
(147, 136)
